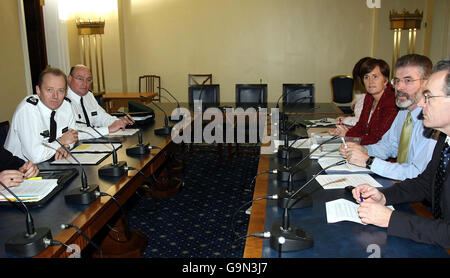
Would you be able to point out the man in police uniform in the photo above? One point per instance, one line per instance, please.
(86, 108)
(39, 121)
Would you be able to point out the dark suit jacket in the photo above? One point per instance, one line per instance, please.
(8, 161)
(381, 120)
(419, 228)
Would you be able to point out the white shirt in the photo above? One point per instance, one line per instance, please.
(30, 120)
(98, 117)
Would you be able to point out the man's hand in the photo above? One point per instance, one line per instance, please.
(69, 137)
(354, 153)
(11, 178)
(340, 130)
(61, 154)
(375, 214)
(29, 169)
(121, 124)
(369, 194)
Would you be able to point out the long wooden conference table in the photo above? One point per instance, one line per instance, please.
(343, 239)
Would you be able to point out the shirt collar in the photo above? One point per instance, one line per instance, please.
(415, 113)
(72, 95)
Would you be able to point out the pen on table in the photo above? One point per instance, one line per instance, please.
(343, 141)
(361, 197)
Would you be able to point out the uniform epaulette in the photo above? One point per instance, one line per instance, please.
(32, 100)
(68, 99)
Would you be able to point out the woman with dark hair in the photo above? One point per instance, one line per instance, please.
(358, 101)
(379, 109)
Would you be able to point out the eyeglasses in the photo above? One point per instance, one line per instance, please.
(80, 79)
(406, 81)
(427, 96)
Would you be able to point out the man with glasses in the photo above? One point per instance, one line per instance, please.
(405, 140)
(432, 185)
(86, 108)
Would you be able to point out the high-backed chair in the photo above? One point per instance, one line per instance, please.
(298, 93)
(198, 79)
(208, 94)
(4, 128)
(151, 84)
(342, 92)
(254, 95)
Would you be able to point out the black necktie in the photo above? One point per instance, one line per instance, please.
(86, 118)
(439, 183)
(52, 127)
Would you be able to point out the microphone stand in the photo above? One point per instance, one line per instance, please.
(87, 193)
(139, 149)
(166, 130)
(283, 172)
(30, 243)
(285, 131)
(295, 237)
(285, 150)
(180, 116)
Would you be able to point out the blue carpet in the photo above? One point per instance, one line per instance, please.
(197, 222)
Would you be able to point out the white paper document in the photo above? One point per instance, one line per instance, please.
(126, 132)
(84, 158)
(326, 150)
(347, 167)
(299, 144)
(30, 190)
(95, 148)
(341, 181)
(322, 122)
(343, 210)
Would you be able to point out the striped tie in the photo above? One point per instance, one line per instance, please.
(403, 146)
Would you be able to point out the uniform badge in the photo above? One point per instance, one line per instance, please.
(94, 113)
(32, 100)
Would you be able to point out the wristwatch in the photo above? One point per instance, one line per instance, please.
(369, 162)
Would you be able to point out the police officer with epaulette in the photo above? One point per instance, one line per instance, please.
(41, 120)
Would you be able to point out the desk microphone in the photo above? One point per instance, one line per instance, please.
(30, 243)
(140, 148)
(286, 151)
(178, 116)
(166, 130)
(283, 172)
(87, 193)
(296, 238)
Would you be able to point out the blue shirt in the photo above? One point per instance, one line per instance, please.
(419, 153)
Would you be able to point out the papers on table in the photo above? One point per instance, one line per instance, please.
(299, 144)
(126, 132)
(95, 148)
(84, 158)
(343, 210)
(327, 150)
(321, 122)
(30, 190)
(341, 181)
(347, 167)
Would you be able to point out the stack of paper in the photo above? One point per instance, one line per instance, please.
(326, 150)
(95, 148)
(84, 158)
(30, 190)
(341, 181)
(321, 122)
(126, 132)
(347, 167)
(299, 144)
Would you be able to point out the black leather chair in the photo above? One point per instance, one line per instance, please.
(342, 92)
(209, 95)
(251, 95)
(4, 128)
(298, 93)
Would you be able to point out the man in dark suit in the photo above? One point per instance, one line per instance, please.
(432, 185)
(13, 169)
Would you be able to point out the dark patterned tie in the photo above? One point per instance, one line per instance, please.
(53, 127)
(86, 118)
(440, 178)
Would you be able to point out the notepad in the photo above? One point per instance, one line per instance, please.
(343, 210)
(126, 132)
(326, 150)
(341, 181)
(30, 190)
(84, 158)
(95, 148)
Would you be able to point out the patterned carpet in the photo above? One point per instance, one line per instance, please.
(200, 220)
